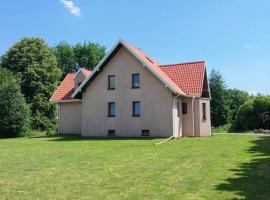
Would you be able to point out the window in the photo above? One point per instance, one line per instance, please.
(184, 108)
(136, 110)
(111, 133)
(178, 109)
(204, 111)
(111, 109)
(135, 80)
(111, 82)
(145, 133)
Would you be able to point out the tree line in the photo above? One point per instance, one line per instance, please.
(30, 71)
(235, 109)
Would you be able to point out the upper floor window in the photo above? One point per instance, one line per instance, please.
(184, 108)
(135, 80)
(111, 82)
(204, 111)
(111, 109)
(136, 109)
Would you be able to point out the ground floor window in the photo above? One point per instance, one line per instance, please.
(204, 111)
(184, 108)
(136, 109)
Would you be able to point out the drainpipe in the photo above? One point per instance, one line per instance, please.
(174, 103)
(193, 117)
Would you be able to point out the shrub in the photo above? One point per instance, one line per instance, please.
(254, 114)
(14, 112)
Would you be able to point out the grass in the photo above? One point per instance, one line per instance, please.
(69, 167)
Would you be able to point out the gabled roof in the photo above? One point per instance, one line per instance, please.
(186, 79)
(66, 88)
(188, 76)
(146, 61)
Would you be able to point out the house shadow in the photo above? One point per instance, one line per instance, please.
(69, 137)
(252, 181)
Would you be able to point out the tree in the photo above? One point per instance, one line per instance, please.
(235, 98)
(66, 59)
(70, 57)
(88, 54)
(254, 114)
(14, 112)
(34, 62)
(219, 109)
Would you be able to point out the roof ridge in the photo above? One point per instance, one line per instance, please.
(184, 63)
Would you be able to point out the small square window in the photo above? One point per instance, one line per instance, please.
(135, 80)
(111, 109)
(184, 108)
(111, 133)
(204, 111)
(145, 133)
(111, 82)
(136, 109)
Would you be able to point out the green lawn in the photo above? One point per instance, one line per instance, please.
(218, 167)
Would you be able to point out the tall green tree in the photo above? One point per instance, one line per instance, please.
(14, 112)
(66, 59)
(34, 62)
(89, 54)
(235, 98)
(70, 57)
(219, 109)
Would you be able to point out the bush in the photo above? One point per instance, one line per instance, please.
(254, 114)
(14, 112)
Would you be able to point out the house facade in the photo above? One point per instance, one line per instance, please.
(128, 94)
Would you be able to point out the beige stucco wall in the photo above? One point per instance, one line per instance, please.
(70, 118)
(156, 101)
(205, 124)
(201, 127)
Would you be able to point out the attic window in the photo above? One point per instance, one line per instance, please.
(149, 59)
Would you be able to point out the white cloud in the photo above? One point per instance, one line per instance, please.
(75, 10)
(247, 45)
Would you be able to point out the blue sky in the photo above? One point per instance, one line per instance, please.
(232, 36)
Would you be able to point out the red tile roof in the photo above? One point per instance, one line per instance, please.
(66, 88)
(188, 76)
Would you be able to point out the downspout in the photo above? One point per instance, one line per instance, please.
(193, 117)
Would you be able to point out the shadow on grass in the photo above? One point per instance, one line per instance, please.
(253, 178)
(69, 137)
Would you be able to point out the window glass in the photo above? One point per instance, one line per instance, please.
(184, 108)
(136, 108)
(111, 82)
(135, 80)
(111, 109)
(204, 110)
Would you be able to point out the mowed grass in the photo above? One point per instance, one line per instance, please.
(70, 167)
